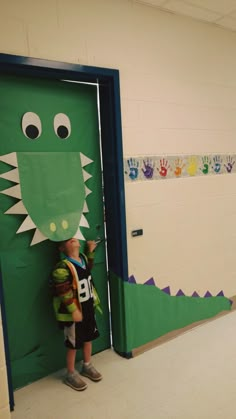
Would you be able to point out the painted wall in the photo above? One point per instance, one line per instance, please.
(4, 398)
(178, 97)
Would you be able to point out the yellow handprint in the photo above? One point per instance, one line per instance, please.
(192, 166)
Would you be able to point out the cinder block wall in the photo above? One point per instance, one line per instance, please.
(178, 97)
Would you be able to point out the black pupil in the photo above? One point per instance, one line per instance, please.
(32, 132)
(62, 132)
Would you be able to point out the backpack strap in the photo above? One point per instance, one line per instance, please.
(75, 277)
(76, 285)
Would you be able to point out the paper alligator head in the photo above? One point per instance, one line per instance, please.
(50, 186)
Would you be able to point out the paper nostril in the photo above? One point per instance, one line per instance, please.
(53, 227)
(65, 224)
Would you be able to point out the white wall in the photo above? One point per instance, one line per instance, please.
(4, 398)
(178, 96)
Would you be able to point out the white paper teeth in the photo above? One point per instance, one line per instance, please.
(12, 175)
(10, 158)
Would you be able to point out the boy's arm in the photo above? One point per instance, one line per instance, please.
(91, 246)
(62, 286)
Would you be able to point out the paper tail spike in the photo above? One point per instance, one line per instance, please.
(132, 279)
(150, 282)
(180, 293)
(166, 290)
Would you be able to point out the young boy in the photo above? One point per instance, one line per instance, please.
(74, 308)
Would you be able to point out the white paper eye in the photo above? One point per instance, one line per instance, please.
(31, 125)
(62, 126)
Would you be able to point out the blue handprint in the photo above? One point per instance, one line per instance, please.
(148, 168)
(230, 164)
(217, 162)
(133, 168)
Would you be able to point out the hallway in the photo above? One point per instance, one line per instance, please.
(190, 377)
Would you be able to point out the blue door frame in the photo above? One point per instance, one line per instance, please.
(112, 152)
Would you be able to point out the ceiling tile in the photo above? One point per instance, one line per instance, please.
(233, 14)
(212, 11)
(219, 6)
(151, 2)
(227, 22)
(183, 8)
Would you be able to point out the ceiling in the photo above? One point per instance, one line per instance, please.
(218, 12)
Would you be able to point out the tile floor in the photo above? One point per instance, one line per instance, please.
(190, 377)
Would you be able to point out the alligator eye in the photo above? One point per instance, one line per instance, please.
(62, 126)
(31, 125)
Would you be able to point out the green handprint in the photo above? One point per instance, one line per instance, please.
(206, 164)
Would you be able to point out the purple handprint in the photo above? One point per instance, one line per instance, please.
(230, 164)
(148, 168)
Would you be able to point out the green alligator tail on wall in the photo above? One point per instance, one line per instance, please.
(147, 312)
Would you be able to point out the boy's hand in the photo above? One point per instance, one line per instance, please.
(91, 245)
(77, 316)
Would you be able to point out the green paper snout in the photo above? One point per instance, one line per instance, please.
(53, 191)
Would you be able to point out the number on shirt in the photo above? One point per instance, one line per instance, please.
(85, 289)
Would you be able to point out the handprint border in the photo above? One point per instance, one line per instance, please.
(164, 167)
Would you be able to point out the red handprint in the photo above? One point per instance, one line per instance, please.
(164, 167)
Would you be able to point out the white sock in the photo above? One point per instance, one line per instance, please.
(86, 364)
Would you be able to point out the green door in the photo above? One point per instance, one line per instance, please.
(51, 187)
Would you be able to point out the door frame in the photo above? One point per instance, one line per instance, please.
(112, 153)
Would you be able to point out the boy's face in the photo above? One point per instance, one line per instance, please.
(69, 245)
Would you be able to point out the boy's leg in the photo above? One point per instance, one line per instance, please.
(73, 378)
(88, 369)
(70, 360)
(87, 352)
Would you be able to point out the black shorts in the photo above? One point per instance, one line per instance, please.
(76, 333)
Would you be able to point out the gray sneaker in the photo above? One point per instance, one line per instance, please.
(91, 372)
(73, 380)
